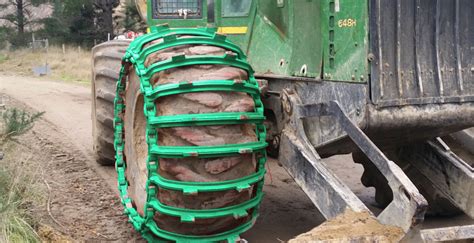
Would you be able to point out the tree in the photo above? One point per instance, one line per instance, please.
(104, 10)
(4, 37)
(82, 28)
(22, 12)
(79, 22)
(132, 19)
(82, 22)
(18, 15)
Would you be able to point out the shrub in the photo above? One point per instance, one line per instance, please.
(17, 122)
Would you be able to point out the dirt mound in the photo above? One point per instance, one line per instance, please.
(49, 234)
(351, 227)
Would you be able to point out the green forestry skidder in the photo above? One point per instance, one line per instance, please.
(385, 80)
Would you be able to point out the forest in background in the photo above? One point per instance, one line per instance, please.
(71, 22)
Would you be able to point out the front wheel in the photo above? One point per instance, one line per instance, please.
(189, 136)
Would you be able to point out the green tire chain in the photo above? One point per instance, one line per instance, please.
(135, 57)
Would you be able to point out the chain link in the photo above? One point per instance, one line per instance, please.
(134, 58)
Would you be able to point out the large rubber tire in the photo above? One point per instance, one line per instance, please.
(189, 169)
(106, 63)
(438, 205)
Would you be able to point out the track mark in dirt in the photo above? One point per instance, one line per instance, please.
(80, 200)
(81, 204)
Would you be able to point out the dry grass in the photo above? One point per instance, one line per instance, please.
(19, 190)
(20, 186)
(73, 66)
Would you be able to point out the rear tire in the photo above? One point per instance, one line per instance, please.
(106, 63)
(189, 169)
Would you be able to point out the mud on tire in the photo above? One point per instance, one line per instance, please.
(106, 62)
(189, 169)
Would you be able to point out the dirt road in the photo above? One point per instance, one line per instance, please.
(285, 211)
(67, 108)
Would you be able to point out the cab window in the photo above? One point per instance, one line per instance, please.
(236, 8)
(177, 8)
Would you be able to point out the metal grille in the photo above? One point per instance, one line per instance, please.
(177, 8)
(422, 51)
